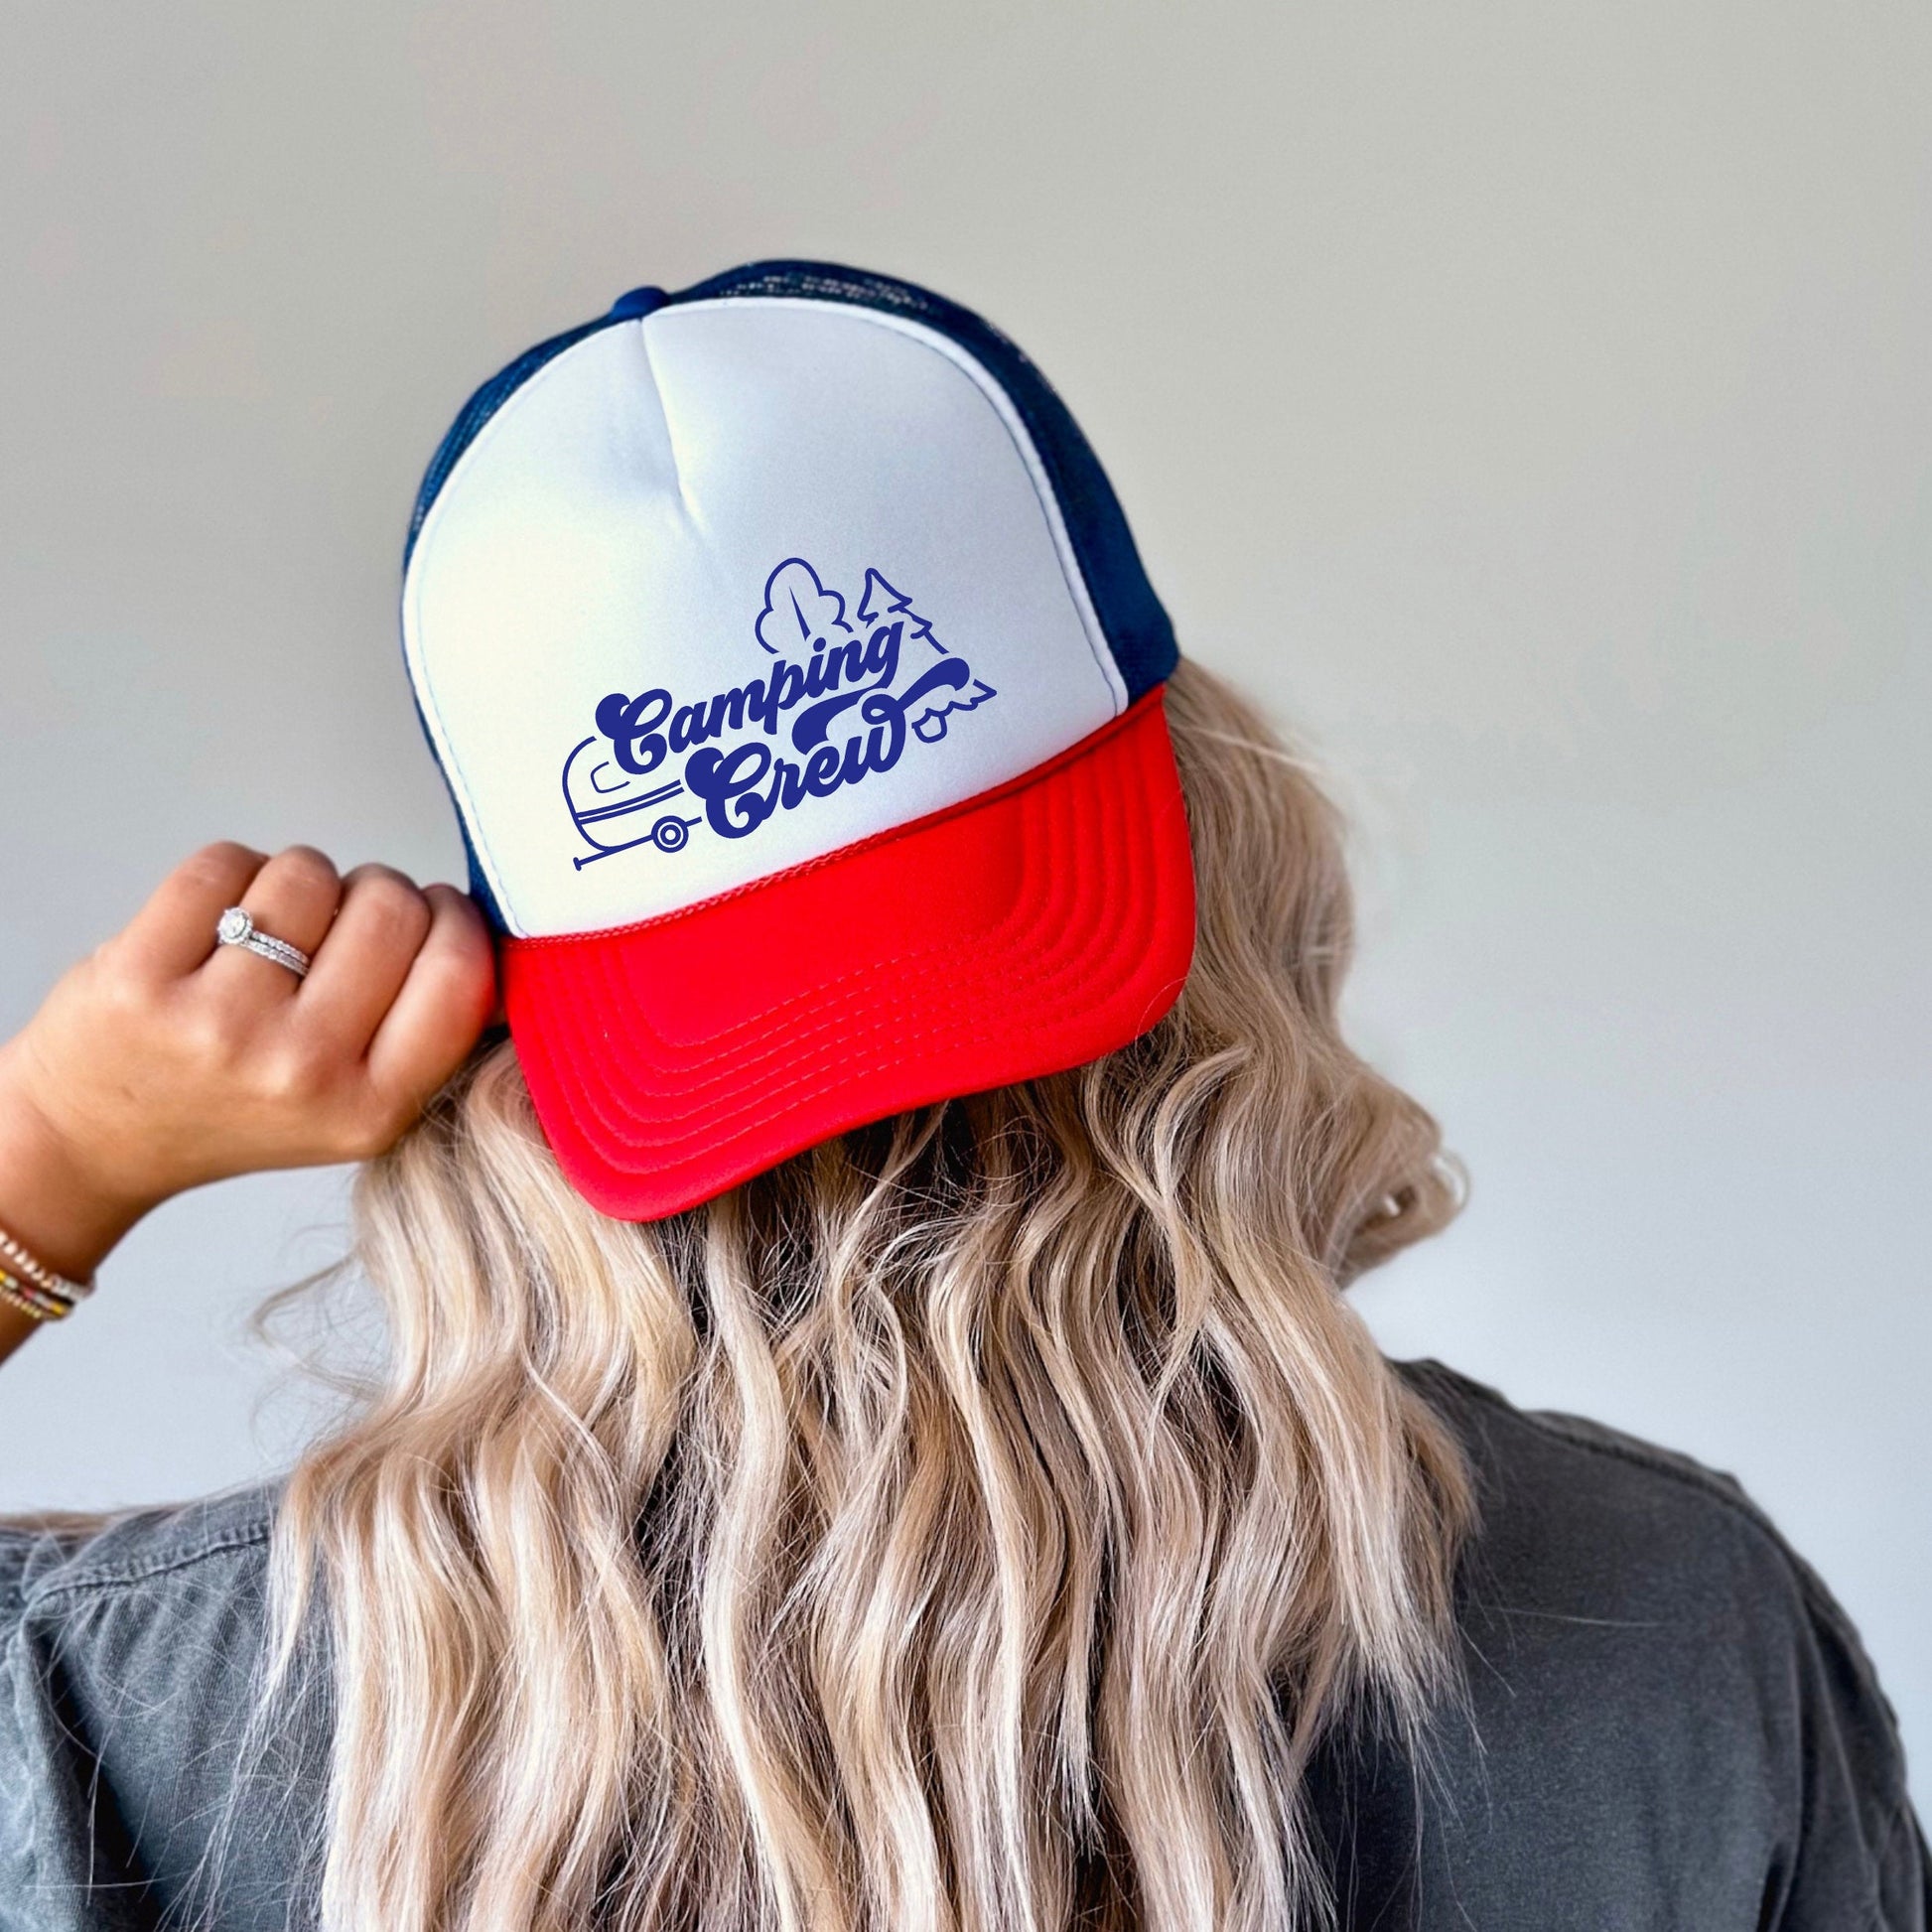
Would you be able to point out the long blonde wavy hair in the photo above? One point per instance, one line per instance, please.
(972, 1524)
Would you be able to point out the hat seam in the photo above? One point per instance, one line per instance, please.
(994, 394)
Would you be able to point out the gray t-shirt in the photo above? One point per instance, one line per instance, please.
(1669, 1723)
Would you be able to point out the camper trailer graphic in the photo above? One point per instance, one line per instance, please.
(608, 805)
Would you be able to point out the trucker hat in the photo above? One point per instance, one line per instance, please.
(799, 690)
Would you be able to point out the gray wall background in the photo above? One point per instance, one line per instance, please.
(1529, 401)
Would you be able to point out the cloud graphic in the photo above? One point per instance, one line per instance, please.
(930, 725)
(798, 609)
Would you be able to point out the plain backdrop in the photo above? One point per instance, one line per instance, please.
(1529, 402)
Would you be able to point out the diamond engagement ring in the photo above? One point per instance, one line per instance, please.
(236, 929)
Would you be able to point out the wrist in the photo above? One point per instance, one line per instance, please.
(52, 1199)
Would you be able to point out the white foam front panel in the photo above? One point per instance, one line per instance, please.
(732, 504)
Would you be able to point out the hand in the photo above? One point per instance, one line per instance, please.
(162, 1062)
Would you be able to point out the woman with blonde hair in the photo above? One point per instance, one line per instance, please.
(872, 1435)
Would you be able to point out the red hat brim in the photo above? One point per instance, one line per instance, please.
(1024, 931)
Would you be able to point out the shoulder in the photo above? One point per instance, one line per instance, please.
(1661, 1685)
(129, 1647)
(1571, 1509)
(1520, 1455)
(157, 1607)
(49, 1561)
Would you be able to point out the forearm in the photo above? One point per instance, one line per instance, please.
(15, 1328)
(66, 1216)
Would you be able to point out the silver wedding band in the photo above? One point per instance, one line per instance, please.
(236, 929)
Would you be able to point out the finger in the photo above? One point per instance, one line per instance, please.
(173, 932)
(293, 898)
(440, 1013)
(361, 964)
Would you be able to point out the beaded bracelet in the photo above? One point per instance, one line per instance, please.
(29, 1285)
(32, 1298)
(29, 1299)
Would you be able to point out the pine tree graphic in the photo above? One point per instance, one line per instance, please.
(880, 602)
